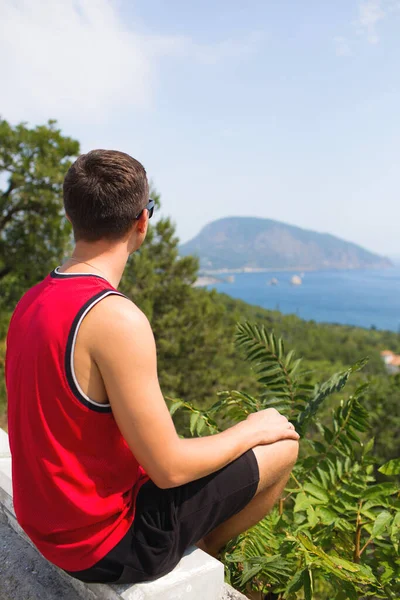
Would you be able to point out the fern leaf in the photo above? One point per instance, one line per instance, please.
(329, 387)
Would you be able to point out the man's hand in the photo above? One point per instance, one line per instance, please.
(269, 426)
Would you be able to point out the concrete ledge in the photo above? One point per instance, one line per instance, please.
(4, 445)
(25, 575)
(5, 464)
(28, 575)
(198, 575)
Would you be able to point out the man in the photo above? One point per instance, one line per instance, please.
(102, 483)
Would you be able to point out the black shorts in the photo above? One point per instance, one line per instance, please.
(168, 521)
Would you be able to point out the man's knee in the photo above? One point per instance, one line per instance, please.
(291, 451)
(276, 460)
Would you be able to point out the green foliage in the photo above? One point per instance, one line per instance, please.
(34, 234)
(391, 468)
(382, 400)
(336, 533)
(322, 341)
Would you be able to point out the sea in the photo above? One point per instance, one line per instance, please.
(368, 298)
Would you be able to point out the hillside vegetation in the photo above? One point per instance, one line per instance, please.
(335, 532)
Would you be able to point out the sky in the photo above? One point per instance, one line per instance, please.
(286, 110)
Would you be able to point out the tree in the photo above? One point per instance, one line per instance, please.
(336, 533)
(34, 233)
(382, 399)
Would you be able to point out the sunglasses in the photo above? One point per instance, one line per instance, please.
(150, 207)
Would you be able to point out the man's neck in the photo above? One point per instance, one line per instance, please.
(108, 261)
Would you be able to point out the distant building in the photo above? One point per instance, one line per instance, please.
(387, 356)
(392, 361)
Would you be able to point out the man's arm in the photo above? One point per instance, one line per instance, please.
(123, 347)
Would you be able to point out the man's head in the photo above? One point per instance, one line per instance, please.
(104, 192)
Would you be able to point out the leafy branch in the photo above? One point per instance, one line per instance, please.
(319, 538)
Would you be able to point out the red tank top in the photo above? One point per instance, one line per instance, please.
(74, 477)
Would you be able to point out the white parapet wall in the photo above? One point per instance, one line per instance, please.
(5, 472)
(197, 576)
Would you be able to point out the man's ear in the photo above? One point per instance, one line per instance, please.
(141, 222)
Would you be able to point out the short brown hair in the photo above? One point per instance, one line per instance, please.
(104, 190)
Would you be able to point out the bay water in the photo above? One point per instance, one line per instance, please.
(365, 298)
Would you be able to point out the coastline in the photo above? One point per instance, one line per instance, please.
(211, 272)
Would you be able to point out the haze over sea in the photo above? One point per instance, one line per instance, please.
(366, 298)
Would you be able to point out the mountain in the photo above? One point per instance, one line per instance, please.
(253, 243)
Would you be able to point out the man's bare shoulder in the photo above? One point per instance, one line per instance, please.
(120, 306)
(116, 317)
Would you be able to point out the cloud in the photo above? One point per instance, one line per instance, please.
(76, 60)
(66, 58)
(370, 13)
(342, 46)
